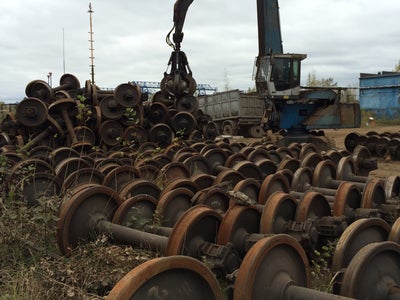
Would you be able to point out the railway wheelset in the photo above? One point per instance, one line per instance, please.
(379, 144)
(89, 117)
(234, 208)
(250, 215)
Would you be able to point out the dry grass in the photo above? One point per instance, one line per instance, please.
(31, 267)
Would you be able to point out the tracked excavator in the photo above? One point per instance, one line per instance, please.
(298, 114)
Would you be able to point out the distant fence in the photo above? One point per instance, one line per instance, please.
(6, 108)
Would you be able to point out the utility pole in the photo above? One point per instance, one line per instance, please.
(63, 51)
(90, 11)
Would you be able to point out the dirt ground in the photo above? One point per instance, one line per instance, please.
(385, 168)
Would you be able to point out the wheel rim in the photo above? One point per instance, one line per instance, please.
(372, 272)
(358, 234)
(279, 209)
(263, 263)
(179, 277)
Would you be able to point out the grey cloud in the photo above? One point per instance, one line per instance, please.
(341, 38)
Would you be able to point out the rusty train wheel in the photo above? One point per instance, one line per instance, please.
(173, 204)
(248, 169)
(161, 134)
(69, 165)
(312, 205)
(311, 160)
(275, 156)
(31, 166)
(229, 177)
(394, 234)
(238, 222)
(273, 183)
(118, 177)
(291, 164)
(196, 163)
(287, 174)
(199, 224)
(111, 109)
(203, 180)
(347, 200)
(187, 103)
(162, 159)
(111, 132)
(216, 158)
(40, 89)
(176, 277)
(258, 154)
(234, 158)
(180, 183)
(346, 169)
(183, 123)
(76, 223)
(31, 112)
(373, 193)
(60, 105)
(250, 187)
(82, 176)
(173, 171)
(210, 131)
(392, 186)
(136, 212)
(350, 141)
(61, 153)
(277, 257)
(140, 186)
(41, 184)
(267, 167)
(214, 198)
(306, 149)
(135, 134)
(69, 82)
(333, 155)
(41, 152)
(373, 272)
(279, 209)
(358, 234)
(324, 174)
(360, 155)
(127, 94)
(85, 134)
(302, 178)
(158, 113)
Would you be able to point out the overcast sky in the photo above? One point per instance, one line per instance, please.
(342, 38)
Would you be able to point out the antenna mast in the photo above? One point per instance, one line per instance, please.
(90, 11)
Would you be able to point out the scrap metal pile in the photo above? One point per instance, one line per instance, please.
(385, 144)
(246, 216)
(250, 215)
(86, 118)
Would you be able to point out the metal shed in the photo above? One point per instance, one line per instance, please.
(380, 94)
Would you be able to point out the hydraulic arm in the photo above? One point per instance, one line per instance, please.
(178, 82)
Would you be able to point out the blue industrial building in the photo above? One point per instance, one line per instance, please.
(380, 94)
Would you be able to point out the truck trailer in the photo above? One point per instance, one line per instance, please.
(235, 112)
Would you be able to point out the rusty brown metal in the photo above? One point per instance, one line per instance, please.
(179, 277)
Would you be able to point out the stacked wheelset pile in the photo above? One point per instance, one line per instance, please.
(379, 144)
(252, 213)
(200, 221)
(86, 117)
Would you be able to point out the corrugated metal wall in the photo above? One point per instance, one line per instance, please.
(380, 94)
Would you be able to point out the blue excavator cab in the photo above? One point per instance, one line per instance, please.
(289, 107)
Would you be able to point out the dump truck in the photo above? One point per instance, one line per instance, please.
(235, 112)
